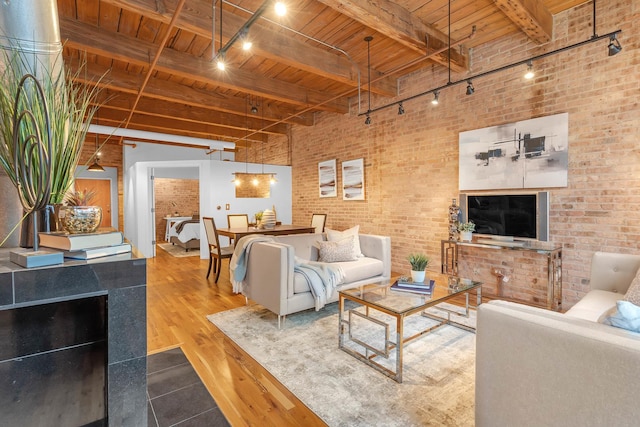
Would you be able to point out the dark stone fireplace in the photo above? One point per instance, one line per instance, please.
(73, 343)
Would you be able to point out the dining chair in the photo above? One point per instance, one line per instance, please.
(237, 221)
(215, 250)
(318, 221)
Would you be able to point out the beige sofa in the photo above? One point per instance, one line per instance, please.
(270, 280)
(536, 367)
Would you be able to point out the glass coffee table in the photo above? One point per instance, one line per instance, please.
(398, 306)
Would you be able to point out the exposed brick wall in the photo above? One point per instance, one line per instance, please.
(411, 161)
(174, 196)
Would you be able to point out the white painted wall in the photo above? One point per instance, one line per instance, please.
(216, 190)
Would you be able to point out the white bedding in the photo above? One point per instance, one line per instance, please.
(189, 231)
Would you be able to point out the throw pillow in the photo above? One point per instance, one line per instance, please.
(334, 236)
(627, 316)
(633, 293)
(338, 251)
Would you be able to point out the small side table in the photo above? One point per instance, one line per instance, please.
(172, 220)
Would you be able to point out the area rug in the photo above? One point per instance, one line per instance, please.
(438, 375)
(177, 251)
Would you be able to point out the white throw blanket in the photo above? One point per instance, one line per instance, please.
(239, 259)
(322, 278)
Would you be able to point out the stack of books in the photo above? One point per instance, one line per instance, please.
(415, 287)
(98, 244)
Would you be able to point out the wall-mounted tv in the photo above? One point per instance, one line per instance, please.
(510, 215)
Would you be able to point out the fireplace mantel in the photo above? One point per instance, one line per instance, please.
(122, 279)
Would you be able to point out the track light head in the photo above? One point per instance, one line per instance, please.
(614, 46)
(367, 120)
(280, 8)
(470, 88)
(220, 63)
(529, 74)
(400, 109)
(435, 101)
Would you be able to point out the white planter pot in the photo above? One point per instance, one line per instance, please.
(418, 276)
(466, 236)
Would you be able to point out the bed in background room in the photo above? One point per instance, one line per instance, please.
(186, 234)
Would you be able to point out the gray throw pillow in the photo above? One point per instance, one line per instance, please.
(338, 251)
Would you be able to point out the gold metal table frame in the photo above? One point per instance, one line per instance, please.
(400, 305)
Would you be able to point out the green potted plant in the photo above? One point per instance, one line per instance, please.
(466, 229)
(62, 114)
(419, 263)
(258, 216)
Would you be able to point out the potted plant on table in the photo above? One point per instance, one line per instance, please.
(43, 123)
(466, 229)
(419, 263)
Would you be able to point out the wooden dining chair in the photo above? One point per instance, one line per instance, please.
(318, 221)
(215, 250)
(237, 221)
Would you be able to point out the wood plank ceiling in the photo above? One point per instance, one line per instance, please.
(161, 77)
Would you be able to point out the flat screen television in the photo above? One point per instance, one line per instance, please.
(521, 216)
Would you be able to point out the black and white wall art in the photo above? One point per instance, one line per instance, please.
(527, 154)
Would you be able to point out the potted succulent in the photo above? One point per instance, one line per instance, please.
(466, 229)
(78, 216)
(419, 262)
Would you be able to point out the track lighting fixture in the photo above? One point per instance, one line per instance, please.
(400, 109)
(470, 88)
(529, 74)
(367, 120)
(280, 8)
(434, 101)
(614, 45)
(220, 63)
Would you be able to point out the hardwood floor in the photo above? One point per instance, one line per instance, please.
(178, 300)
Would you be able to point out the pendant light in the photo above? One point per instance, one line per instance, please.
(95, 166)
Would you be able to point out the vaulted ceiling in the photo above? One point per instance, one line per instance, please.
(159, 75)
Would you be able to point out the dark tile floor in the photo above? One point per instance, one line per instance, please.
(176, 395)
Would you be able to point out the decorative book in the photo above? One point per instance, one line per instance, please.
(76, 242)
(420, 288)
(103, 251)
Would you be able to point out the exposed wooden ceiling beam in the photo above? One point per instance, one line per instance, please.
(196, 18)
(116, 118)
(94, 40)
(189, 114)
(174, 92)
(396, 22)
(531, 16)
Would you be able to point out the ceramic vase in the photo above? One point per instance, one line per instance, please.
(268, 219)
(80, 219)
(418, 276)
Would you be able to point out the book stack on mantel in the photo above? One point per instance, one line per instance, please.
(414, 287)
(101, 243)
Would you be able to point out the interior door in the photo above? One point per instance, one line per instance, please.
(102, 198)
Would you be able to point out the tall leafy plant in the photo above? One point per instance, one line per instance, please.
(70, 110)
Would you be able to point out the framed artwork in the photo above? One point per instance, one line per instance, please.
(527, 154)
(353, 180)
(327, 184)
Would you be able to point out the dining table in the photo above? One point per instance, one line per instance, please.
(236, 233)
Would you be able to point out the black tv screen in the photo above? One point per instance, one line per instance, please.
(512, 215)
